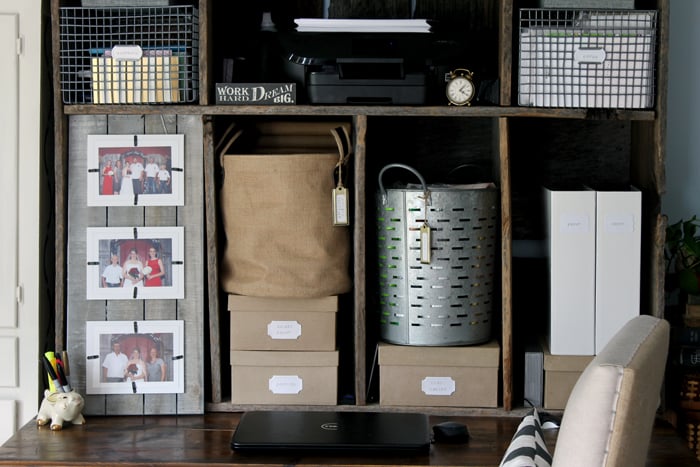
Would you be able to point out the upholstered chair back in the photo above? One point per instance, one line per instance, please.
(610, 413)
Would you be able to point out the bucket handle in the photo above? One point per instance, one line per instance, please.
(382, 190)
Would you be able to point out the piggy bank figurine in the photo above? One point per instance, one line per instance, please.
(61, 407)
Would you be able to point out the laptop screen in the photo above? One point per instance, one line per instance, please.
(330, 432)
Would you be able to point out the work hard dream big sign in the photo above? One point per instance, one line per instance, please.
(256, 93)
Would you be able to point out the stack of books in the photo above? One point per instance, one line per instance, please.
(130, 75)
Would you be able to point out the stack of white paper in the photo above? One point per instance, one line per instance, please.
(362, 25)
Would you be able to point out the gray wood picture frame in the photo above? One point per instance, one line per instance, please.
(190, 216)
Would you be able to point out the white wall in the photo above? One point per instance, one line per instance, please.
(20, 150)
(682, 198)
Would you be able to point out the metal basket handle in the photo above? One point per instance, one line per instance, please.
(382, 190)
(477, 168)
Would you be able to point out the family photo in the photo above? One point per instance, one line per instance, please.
(128, 171)
(142, 359)
(136, 263)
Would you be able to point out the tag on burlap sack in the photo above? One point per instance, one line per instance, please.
(277, 212)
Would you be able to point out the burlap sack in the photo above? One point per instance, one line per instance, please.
(277, 213)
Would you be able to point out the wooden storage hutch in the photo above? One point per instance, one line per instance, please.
(521, 146)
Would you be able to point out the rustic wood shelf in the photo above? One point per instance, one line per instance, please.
(631, 141)
(379, 111)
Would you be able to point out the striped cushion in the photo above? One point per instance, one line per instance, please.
(527, 448)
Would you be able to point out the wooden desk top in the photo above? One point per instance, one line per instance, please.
(204, 440)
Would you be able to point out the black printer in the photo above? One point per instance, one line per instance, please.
(369, 68)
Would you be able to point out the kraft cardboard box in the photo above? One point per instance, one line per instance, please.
(286, 378)
(439, 376)
(560, 375)
(283, 323)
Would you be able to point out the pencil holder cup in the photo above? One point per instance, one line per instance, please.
(60, 407)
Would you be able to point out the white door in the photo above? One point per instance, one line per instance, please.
(20, 174)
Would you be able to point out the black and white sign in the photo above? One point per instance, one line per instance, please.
(256, 93)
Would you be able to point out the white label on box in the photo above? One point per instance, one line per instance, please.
(574, 223)
(438, 386)
(284, 329)
(588, 55)
(619, 223)
(127, 52)
(285, 384)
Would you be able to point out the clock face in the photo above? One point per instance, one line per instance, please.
(460, 90)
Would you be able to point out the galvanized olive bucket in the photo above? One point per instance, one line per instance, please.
(437, 253)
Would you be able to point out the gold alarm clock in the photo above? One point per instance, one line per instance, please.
(460, 89)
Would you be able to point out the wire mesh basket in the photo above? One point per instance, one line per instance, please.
(129, 55)
(436, 253)
(587, 58)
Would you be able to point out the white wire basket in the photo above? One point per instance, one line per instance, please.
(587, 58)
(129, 55)
(448, 299)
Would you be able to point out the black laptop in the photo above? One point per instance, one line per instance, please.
(332, 432)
